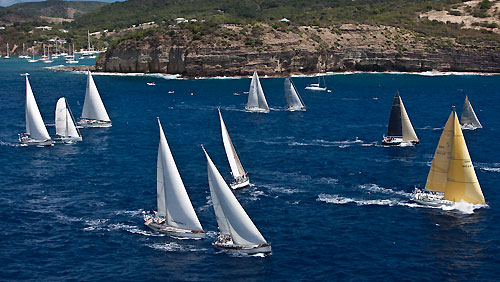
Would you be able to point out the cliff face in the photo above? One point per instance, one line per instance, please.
(238, 51)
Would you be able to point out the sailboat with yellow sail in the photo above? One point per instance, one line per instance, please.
(452, 177)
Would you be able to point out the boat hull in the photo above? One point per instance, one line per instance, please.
(173, 231)
(429, 198)
(65, 139)
(245, 249)
(468, 127)
(256, 110)
(397, 141)
(314, 88)
(93, 123)
(237, 185)
(33, 142)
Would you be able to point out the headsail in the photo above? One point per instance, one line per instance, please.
(175, 206)
(35, 126)
(293, 99)
(469, 116)
(452, 171)
(93, 108)
(231, 216)
(65, 126)
(234, 162)
(406, 127)
(256, 98)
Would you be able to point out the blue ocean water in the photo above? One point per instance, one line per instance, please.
(333, 203)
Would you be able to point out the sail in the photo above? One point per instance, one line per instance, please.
(179, 210)
(462, 183)
(468, 115)
(256, 98)
(292, 96)
(93, 108)
(395, 127)
(241, 228)
(65, 126)
(34, 122)
(234, 162)
(406, 127)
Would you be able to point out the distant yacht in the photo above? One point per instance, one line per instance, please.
(239, 175)
(292, 96)
(451, 177)
(24, 56)
(94, 113)
(237, 232)
(317, 86)
(256, 99)
(175, 216)
(36, 133)
(8, 54)
(399, 131)
(66, 130)
(469, 120)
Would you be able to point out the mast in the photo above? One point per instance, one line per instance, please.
(232, 157)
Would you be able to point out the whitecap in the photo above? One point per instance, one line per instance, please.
(175, 247)
(377, 189)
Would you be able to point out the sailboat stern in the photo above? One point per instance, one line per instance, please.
(93, 123)
(242, 182)
(160, 224)
(225, 242)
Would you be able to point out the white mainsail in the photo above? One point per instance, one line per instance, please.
(406, 127)
(172, 198)
(65, 125)
(35, 126)
(256, 99)
(234, 162)
(469, 116)
(93, 108)
(231, 217)
(293, 99)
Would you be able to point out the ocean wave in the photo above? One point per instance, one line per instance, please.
(175, 247)
(377, 189)
(136, 213)
(327, 143)
(490, 167)
(328, 180)
(95, 224)
(9, 144)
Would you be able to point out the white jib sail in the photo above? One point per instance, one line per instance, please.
(93, 108)
(179, 211)
(232, 157)
(468, 115)
(292, 96)
(256, 98)
(241, 228)
(65, 126)
(407, 129)
(34, 122)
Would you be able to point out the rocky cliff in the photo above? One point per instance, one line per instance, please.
(239, 50)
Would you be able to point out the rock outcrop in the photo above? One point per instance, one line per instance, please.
(237, 51)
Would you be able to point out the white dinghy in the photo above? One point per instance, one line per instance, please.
(317, 86)
(400, 132)
(94, 113)
(469, 120)
(175, 216)
(237, 232)
(292, 96)
(256, 98)
(36, 133)
(66, 130)
(239, 175)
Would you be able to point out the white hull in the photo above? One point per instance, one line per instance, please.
(315, 88)
(66, 139)
(26, 141)
(397, 141)
(430, 198)
(296, 110)
(32, 61)
(256, 110)
(72, 62)
(175, 232)
(468, 127)
(237, 185)
(93, 123)
(24, 57)
(245, 249)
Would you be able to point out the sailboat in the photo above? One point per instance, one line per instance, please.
(256, 99)
(469, 120)
(237, 232)
(24, 56)
(94, 113)
(292, 96)
(47, 60)
(399, 131)
(175, 216)
(33, 60)
(452, 177)
(36, 132)
(66, 130)
(70, 59)
(8, 55)
(239, 175)
(317, 86)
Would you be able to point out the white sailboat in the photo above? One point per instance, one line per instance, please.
(451, 177)
(239, 175)
(24, 56)
(256, 99)
(70, 59)
(175, 216)
(8, 52)
(469, 120)
(94, 113)
(66, 130)
(33, 60)
(399, 131)
(292, 96)
(48, 60)
(36, 132)
(317, 86)
(237, 232)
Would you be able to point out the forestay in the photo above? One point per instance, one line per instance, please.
(93, 108)
(35, 126)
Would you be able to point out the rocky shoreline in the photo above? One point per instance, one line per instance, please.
(305, 50)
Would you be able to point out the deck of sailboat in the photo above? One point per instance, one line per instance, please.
(172, 231)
